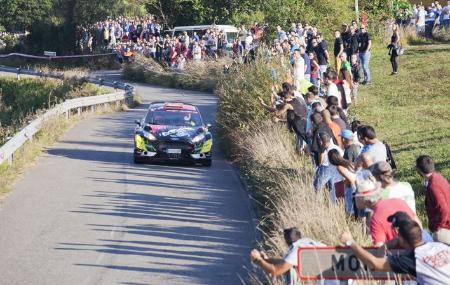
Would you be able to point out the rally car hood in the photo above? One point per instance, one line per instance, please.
(175, 132)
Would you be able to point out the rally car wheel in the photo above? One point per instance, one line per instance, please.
(137, 160)
(207, 162)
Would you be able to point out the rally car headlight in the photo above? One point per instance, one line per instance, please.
(149, 136)
(198, 138)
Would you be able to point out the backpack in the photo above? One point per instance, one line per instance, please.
(389, 156)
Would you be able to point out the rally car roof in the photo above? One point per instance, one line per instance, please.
(171, 106)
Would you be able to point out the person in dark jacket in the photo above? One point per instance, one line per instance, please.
(318, 127)
(393, 46)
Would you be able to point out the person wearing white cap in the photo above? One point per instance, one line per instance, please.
(369, 196)
(383, 172)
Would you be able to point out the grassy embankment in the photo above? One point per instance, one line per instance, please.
(411, 110)
(23, 100)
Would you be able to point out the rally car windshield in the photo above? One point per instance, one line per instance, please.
(177, 118)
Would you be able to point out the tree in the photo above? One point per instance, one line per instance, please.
(18, 15)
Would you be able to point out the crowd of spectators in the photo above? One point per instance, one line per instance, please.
(144, 35)
(352, 163)
(427, 18)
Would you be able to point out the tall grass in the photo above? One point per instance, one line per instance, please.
(279, 180)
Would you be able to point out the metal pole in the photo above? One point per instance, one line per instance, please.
(357, 10)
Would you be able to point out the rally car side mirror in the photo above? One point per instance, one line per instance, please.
(209, 126)
(137, 122)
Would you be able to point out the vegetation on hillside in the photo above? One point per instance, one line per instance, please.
(53, 24)
(21, 100)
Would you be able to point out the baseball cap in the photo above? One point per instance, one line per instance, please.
(380, 168)
(347, 134)
(367, 187)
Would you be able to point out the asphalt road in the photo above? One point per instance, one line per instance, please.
(85, 214)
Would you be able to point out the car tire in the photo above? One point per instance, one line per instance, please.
(207, 162)
(137, 160)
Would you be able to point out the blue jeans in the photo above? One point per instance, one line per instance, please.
(364, 58)
(325, 176)
(348, 194)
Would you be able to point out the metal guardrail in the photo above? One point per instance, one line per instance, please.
(26, 134)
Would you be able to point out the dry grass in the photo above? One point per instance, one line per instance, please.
(280, 182)
(51, 131)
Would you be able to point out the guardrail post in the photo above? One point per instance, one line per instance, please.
(18, 73)
(79, 111)
(115, 85)
(10, 160)
(93, 108)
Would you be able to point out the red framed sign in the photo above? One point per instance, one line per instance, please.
(339, 263)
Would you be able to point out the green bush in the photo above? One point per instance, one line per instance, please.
(238, 94)
(21, 100)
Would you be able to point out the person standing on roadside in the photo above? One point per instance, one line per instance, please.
(353, 42)
(437, 199)
(373, 151)
(307, 63)
(338, 50)
(365, 44)
(321, 49)
(326, 173)
(393, 47)
(298, 68)
(420, 20)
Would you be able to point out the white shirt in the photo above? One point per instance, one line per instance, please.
(325, 161)
(299, 69)
(332, 90)
(433, 263)
(248, 42)
(197, 53)
(401, 190)
(421, 18)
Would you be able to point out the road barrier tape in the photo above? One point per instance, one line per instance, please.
(54, 57)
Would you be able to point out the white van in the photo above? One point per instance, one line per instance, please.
(229, 31)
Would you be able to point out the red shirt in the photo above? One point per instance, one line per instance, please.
(437, 202)
(380, 229)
